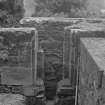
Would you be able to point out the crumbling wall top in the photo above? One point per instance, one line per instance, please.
(87, 26)
(58, 19)
(49, 19)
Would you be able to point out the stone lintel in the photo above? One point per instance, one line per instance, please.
(12, 29)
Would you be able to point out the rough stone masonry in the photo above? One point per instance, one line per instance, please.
(75, 32)
(18, 71)
(92, 68)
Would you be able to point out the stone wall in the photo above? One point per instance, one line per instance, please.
(53, 38)
(91, 75)
(75, 32)
(17, 46)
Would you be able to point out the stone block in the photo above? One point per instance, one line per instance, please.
(12, 99)
(92, 67)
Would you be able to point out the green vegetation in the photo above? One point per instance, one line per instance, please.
(11, 11)
(62, 8)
